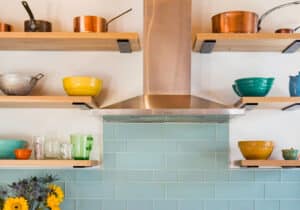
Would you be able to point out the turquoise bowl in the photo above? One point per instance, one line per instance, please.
(253, 87)
(8, 146)
(290, 154)
(256, 80)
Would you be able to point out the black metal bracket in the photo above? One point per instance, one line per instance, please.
(249, 106)
(292, 107)
(207, 46)
(82, 106)
(124, 46)
(292, 48)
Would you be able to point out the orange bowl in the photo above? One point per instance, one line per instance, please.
(256, 150)
(23, 154)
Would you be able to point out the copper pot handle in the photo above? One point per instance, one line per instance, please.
(120, 15)
(272, 10)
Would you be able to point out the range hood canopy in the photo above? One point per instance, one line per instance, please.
(167, 68)
(169, 105)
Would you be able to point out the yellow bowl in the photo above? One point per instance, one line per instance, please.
(256, 150)
(82, 86)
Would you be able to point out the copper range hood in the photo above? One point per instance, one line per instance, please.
(167, 67)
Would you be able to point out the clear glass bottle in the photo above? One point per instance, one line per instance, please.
(38, 147)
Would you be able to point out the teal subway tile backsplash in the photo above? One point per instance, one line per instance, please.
(171, 166)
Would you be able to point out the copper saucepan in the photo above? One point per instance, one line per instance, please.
(94, 23)
(5, 27)
(242, 21)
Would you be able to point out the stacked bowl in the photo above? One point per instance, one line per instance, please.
(253, 87)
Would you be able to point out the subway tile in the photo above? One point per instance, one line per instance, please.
(140, 131)
(243, 175)
(239, 191)
(222, 132)
(114, 146)
(216, 176)
(84, 204)
(62, 175)
(165, 176)
(289, 205)
(140, 205)
(216, 205)
(202, 146)
(140, 161)
(191, 205)
(267, 205)
(165, 205)
(282, 191)
(89, 176)
(127, 176)
(190, 160)
(140, 191)
(189, 191)
(267, 175)
(68, 204)
(222, 160)
(242, 205)
(109, 130)
(11, 175)
(189, 131)
(97, 190)
(290, 175)
(151, 146)
(109, 160)
(113, 205)
(190, 176)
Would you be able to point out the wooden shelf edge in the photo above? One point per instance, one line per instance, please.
(50, 163)
(269, 163)
(245, 101)
(46, 101)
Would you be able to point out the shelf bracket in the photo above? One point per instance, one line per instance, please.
(292, 48)
(82, 106)
(249, 106)
(292, 107)
(124, 46)
(208, 46)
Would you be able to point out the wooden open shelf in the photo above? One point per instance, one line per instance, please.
(83, 102)
(270, 163)
(49, 163)
(283, 103)
(235, 42)
(66, 41)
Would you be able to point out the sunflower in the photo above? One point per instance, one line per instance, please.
(57, 191)
(52, 201)
(18, 203)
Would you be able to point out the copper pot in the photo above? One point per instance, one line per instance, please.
(242, 21)
(287, 30)
(94, 23)
(5, 27)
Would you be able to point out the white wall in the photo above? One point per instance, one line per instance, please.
(214, 74)
(122, 74)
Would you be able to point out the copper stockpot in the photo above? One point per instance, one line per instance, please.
(242, 21)
(5, 27)
(94, 23)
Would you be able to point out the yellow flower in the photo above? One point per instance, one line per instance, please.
(57, 191)
(18, 203)
(52, 201)
(55, 208)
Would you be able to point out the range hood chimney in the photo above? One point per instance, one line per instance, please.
(167, 66)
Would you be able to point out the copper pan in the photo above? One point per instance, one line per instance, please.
(94, 23)
(242, 21)
(5, 27)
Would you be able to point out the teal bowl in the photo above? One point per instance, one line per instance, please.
(290, 154)
(251, 91)
(8, 146)
(256, 80)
